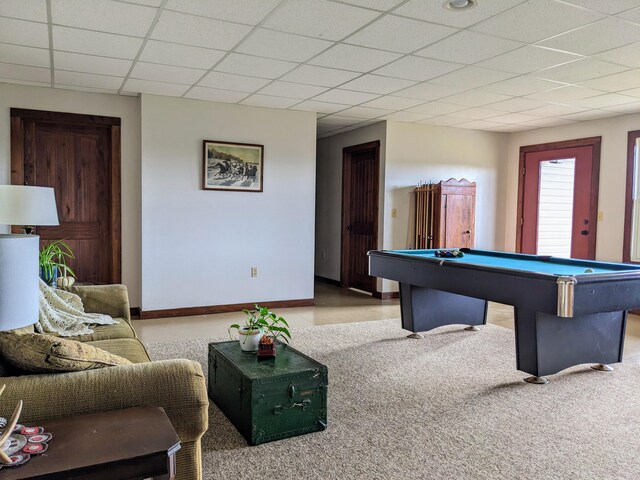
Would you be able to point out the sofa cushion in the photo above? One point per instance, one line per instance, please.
(129, 348)
(122, 329)
(41, 353)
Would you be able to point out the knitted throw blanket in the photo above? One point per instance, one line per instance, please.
(62, 313)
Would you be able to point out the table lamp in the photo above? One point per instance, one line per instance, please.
(19, 266)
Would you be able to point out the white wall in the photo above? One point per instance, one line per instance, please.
(128, 109)
(613, 164)
(198, 246)
(329, 194)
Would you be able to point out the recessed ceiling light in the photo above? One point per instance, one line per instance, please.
(459, 4)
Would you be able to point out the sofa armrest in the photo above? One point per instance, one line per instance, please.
(176, 385)
(108, 299)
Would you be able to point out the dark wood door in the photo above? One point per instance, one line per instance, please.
(583, 220)
(77, 155)
(359, 214)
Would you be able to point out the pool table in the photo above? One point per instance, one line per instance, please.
(567, 311)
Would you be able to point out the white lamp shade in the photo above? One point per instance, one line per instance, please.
(26, 205)
(19, 281)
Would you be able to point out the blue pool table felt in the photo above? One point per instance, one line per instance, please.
(530, 263)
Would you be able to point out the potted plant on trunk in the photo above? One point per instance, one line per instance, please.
(53, 261)
(259, 322)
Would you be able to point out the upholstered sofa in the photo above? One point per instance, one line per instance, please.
(176, 385)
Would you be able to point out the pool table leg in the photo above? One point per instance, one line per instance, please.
(547, 344)
(424, 309)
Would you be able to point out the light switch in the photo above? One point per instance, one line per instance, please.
(600, 216)
(394, 212)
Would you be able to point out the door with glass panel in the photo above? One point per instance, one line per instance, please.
(558, 200)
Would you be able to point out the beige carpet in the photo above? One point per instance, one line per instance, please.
(450, 406)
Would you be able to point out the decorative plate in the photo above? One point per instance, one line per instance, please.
(24, 442)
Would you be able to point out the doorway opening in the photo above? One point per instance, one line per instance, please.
(558, 198)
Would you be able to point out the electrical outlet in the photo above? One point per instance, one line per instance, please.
(254, 271)
(323, 255)
(394, 212)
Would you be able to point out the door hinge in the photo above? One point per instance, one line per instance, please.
(521, 221)
(524, 170)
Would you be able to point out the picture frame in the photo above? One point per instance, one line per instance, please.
(232, 166)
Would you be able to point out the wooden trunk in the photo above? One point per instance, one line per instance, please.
(269, 399)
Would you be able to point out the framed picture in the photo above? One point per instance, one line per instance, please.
(232, 166)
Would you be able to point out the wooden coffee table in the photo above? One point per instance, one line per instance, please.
(132, 443)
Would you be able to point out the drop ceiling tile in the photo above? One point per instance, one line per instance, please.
(87, 80)
(549, 122)
(533, 21)
(250, 12)
(25, 82)
(166, 73)
(514, 118)
(347, 97)
(34, 57)
(10, 71)
(436, 108)
(322, 108)
(629, 55)
(180, 55)
(404, 117)
(21, 32)
(520, 86)
(443, 121)
(616, 82)
(603, 101)
(377, 84)
(339, 120)
(552, 110)
(399, 34)
(228, 81)
(365, 112)
(155, 88)
(198, 31)
(610, 7)
(429, 91)
(433, 11)
(77, 62)
(248, 65)
(564, 94)
(417, 68)
(528, 59)
(76, 88)
(579, 71)
(472, 77)
(34, 10)
(350, 57)
(511, 128)
(325, 129)
(283, 46)
(589, 115)
(95, 43)
(382, 5)
(110, 17)
(393, 103)
(631, 15)
(468, 47)
(321, 76)
(476, 113)
(595, 38)
(215, 95)
(479, 125)
(269, 101)
(475, 98)
(319, 18)
(292, 90)
(516, 105)
(633, 92)
(633, 107)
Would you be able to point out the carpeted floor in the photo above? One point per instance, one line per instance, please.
(450, 406)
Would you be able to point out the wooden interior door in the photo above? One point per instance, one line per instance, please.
(586, 157)
(79, 156)
(360, 181)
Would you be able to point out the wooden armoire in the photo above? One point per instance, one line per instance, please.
(445, 214)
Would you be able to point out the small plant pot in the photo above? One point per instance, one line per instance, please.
(249, 339)
(49, 280)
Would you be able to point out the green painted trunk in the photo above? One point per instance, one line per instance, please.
(268, 400)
